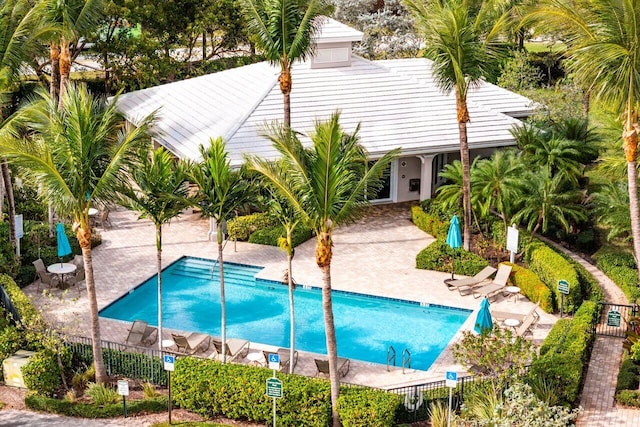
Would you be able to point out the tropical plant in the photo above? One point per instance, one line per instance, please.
(558, 156)
(159, 191)
(22, 29)
(549, 201)
(77, 157)
(283, 30)
(603, 54)
(327, 185)
(462, 39)
(611, 208)
(222, 190)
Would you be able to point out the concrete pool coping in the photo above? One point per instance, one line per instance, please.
(376, 256)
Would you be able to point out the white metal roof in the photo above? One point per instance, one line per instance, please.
(395, 102)
(333, 31)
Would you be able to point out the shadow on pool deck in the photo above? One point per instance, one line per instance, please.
(376, 256)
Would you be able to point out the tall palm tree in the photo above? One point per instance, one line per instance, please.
(327, 185)
(160, 193)
(21, 29)
(461, 37)
(283, 30)
(74, 18)
(76, 158)
(604, 53)
(222, 190)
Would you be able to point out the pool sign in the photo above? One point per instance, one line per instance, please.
(613, 318)
(274, 361)
(274, 388)
(452, 379)
(563, 287)
(123, 387)
(168, 362)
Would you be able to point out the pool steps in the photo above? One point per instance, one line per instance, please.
(204, 269)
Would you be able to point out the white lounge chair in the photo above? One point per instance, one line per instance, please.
(141, 334)
(191, 344)
(491, 290)
(235, 348)
(469, 282)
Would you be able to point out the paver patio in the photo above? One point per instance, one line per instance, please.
(376, 256)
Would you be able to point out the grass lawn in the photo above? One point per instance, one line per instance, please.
(537, 47)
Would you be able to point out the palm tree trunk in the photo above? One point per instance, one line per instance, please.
(285, 88)
(292, 332)
(11, 205)
(159, 262)
(223, 308)
(463, 118)
(54, 83)
(630, 138)
(84, 238)
(65, 69)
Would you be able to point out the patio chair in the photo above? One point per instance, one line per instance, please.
(323, 366)
(141, 334)
(285, 358)
(528, 323)
(78, 277)
(502, 315)
(104, 219)
(192, 343)
(78, 261)
(235, 348)
(491, 290)
(469, 282)
(45, 277)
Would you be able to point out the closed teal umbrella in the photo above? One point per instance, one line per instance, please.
(64, 248)
(454, 237)
(483, 321)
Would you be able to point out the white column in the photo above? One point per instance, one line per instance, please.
(426, 172)
(213, 230)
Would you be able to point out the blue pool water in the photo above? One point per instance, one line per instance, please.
(258, 310)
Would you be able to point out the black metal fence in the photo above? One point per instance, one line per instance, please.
(614, 319)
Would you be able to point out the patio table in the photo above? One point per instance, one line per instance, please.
(60, 269)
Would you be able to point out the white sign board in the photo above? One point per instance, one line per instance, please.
(274, 361)
(123, 387)
(168, 362)
(19, 227)
(452, 379)
(512, 239)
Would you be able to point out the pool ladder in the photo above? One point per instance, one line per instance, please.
(391, 358)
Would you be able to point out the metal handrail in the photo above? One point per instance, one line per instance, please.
(406, 359)
(391, 356)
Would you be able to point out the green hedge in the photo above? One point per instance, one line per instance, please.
(360, 407)
(42, 374)
(210, 389)
(88, 410)
(438, 256)
(531, 287)
(565, 352)
(26, 310)
(551, 267)
(429, 223)
(270, 235)
(242, 227)
(620, 266)
(628, 398)
(628, 376)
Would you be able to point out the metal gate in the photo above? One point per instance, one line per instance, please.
(616, 319)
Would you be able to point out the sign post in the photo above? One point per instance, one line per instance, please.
(169, 361)
(19, 232)
(512, 242)
(274, 385)
(563, 288)
(123, 390)
(452, 382)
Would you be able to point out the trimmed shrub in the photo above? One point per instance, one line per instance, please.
(88, 410)
(438, 256)
(628, 376)
(270, 235)
(551, 267)
(621, 268)
(42, 373)
(429, 223)
(367, 408)
(240, 228)
(565, 352)
(628, 398)
(27, 312)
(531, 287)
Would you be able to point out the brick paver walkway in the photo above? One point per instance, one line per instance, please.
(597, 400)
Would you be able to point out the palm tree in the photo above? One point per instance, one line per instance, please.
(222, 190)
(611, 208)
(74, 18)
(22, 29)
(559, 156)
(283, 30)
(603, 52)
(461, 37)
(548, 202)
(160, 193)
(327, 185)
(77, 158)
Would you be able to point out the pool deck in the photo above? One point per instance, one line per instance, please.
(376, 256)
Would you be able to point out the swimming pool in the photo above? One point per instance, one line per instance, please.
(258, 310)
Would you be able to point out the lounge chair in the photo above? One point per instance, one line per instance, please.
(323, 366)
(528, 323)
(235, 347)
(45, 277)
(502, 315)
(192, 343)
(491, 290)
(470, 281)
(141, 334)
(285, 358)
